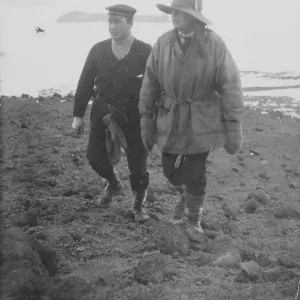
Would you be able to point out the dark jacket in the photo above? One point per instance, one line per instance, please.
(118, 82)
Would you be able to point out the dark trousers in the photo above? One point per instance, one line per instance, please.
(191, 172)
(136, 153)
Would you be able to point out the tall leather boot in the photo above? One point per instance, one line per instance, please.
(140, 215)
(179, 210)
(139, 184)
(113, 187)
(195, 206)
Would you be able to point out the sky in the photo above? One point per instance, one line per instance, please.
(265, 15)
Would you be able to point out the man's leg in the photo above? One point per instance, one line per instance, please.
(137, 164)
(195, 195)
(97, 157)
(176, 177)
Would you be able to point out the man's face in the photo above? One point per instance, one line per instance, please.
(181, 20)
(119, 28)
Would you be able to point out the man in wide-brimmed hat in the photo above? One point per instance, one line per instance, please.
(190, 101)
(116, 67)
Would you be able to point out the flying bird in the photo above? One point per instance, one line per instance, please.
(39, 29)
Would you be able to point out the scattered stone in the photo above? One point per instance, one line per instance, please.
(247, 253)
(80, 249)
(293, 185)
(70, 193)
(264, 162)
(229, 212)
(287, 212)
(278, 274)
(230, 228)
(29, 218)
(251, 206)
(251, 269)
(47, 255)
(201, 259)
(240, 157)
(287, 262)
(25, 177)
(202, 280)
(220, 245)
(170, 239)
(151, 269)
(230, 260)
(211, 234)
(149, 247)
(68, 218)
(262, 259)
(70, 287)
(127, 213)
(150, 223)
(260, 196)
(22, 271)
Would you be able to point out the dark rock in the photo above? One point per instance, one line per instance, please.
(251, 206)
(29, 218)
(202, 259)
(68, 218)
(288, 262)
(287, 212)
(34, 203)
(262, 259)
(196, 246)
(211, 234)
(243, 278)
(251, 269)
(151, 269)
(150, 223)
(278, 274)
(47, 255)
(25, 177)
(70, 193)
(147, 247)
(229, 211)
(260, 196)
(71, 287)
(170, 239)
(220, 245)
(247, 253)
(229, 260)
(24, 277)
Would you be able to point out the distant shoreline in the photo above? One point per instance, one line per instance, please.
(266, 88)
(245, 89)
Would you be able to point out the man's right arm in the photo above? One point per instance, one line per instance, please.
(85, 85)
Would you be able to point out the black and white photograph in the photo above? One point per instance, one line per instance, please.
(150, 149)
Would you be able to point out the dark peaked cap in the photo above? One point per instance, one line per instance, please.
(121, 10)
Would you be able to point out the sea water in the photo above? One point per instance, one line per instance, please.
(32, 62)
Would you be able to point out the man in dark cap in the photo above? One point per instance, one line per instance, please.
(116, 67)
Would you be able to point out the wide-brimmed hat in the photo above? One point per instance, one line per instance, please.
(191, 7)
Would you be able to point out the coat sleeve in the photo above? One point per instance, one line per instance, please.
(85, 86)
(228, 84)
(150, 89)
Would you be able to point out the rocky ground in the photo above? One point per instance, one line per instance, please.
(57, 245)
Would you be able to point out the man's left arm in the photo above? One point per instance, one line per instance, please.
(230, 89)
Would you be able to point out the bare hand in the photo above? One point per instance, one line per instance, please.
(78, 125)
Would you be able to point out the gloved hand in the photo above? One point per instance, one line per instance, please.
(147, 132)
(234, 137)
(78, 125)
